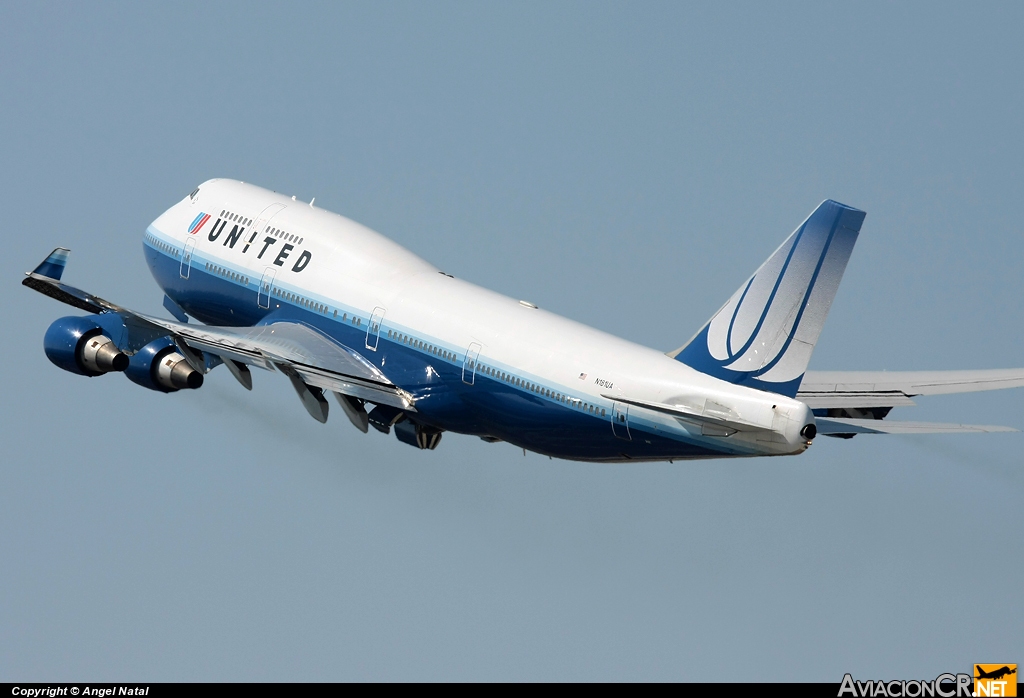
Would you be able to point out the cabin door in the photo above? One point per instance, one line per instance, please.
(266, 286)
(620, 421)
(373, 328)
(469, 365)
(186, 257)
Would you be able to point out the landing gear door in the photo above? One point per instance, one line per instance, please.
(373, 328)
(469, 365)
(266, 286)
(620, 421)
(186, 257)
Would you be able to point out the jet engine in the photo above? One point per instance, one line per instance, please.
(418, 435)
(79, 345)
(159, 366)
(383, 417)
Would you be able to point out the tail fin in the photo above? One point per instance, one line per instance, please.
(764, 335)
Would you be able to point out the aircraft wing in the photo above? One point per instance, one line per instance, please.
(848, 427)
(52, 287)
(295, 349)
(868, 389)
(291, 346)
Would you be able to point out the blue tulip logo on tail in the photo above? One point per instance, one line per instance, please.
(764, 335)
(198, 223)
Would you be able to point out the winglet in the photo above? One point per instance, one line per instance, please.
(46, 279)
(53, 266)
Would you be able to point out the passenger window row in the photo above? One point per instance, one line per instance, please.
(542, 391)
(302, 300)
(236, 218)
(344, 318)
(422, 346)
(227, 273)
(161, 245)
(278, 233)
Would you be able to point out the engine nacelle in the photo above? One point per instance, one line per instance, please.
(159, 366)
(422, 437)
(79, 345)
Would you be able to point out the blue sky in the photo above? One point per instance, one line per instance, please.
(626, 165)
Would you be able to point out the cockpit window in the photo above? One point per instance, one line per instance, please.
(193, 194)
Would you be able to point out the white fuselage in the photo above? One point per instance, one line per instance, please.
(351, 271)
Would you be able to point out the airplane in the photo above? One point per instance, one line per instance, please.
(996, 674)
(254, 278)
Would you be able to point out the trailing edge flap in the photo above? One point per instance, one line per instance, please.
(862, 389)
(827, 426)
(710, 414)
(316, 358)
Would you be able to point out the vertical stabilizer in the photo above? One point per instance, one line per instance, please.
(764, 335)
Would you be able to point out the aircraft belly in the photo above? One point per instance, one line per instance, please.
(548, 428)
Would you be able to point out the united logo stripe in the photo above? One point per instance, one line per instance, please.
(198, 223)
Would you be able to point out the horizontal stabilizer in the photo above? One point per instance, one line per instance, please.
(864, 389)
(833, 427)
